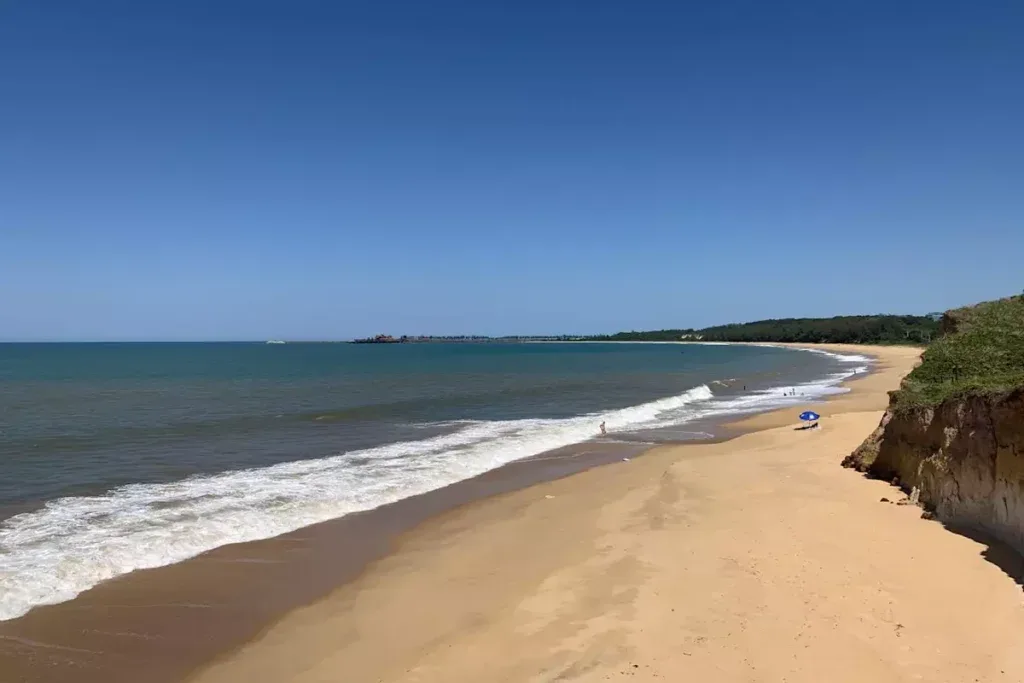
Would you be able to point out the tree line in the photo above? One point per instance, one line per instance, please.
(846, 329)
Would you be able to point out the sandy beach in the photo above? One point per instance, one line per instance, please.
(754, 559)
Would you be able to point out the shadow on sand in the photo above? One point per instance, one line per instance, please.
(998, 553)
(995, 551)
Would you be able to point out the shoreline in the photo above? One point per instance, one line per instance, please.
(246, 479)
(182, 616)
(867, 392)
(756, 558)
(162, 624)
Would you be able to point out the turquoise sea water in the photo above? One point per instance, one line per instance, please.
(121, 456)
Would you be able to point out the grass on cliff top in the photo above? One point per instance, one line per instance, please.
(981, 352)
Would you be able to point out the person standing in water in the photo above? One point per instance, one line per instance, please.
(603, 430)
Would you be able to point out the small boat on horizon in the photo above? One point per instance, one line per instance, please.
(275, 341)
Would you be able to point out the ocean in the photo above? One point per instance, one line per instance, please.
(117, 457)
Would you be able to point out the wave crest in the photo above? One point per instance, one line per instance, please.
(71, 544)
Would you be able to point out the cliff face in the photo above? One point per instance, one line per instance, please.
(963, 459)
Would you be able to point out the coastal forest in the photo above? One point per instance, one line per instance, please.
(847, 329)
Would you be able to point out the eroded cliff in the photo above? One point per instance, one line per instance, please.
(962, 459)
(953, 436)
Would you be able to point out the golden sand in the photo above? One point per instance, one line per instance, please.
(755, 559)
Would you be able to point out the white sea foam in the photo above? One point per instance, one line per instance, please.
(766, 399)
(844, 357)
(71, 544)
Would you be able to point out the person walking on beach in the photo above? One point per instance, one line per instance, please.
(603, 430)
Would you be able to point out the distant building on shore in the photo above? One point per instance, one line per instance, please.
(380, 339)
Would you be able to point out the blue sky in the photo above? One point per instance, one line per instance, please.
(319, 169)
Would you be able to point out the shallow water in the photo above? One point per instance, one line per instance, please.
(122, 456)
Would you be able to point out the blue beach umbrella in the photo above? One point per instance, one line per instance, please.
(809, 416)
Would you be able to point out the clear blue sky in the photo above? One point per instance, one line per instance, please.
(204, 169)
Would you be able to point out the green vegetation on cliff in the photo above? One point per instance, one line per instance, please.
(980, 350)
(847, 329)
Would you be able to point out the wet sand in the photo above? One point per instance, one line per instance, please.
(158, 625)
(754, 559)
